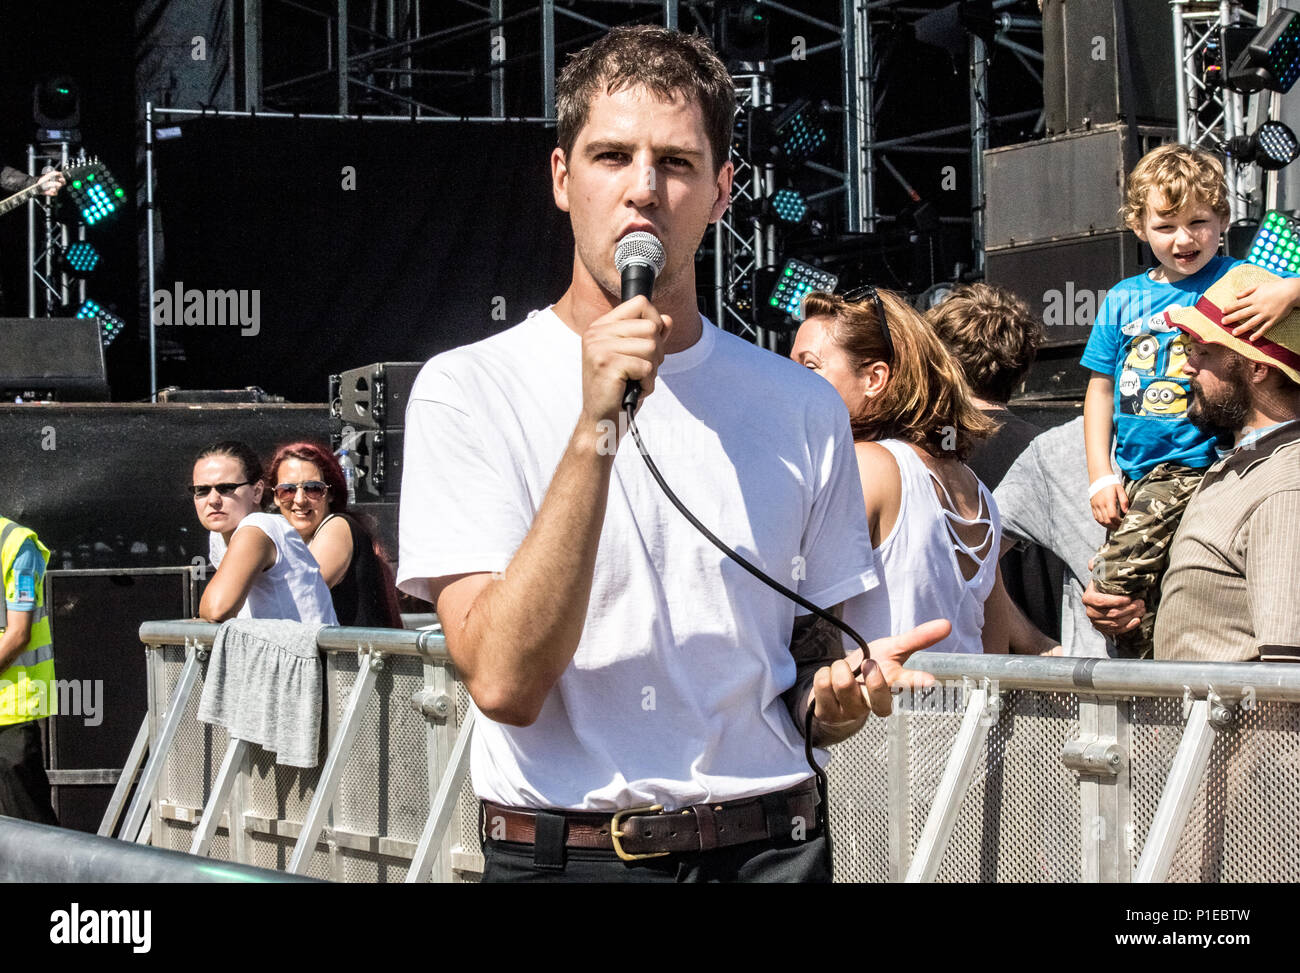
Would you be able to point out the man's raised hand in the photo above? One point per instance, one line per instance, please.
(627, 344)
(843, 702)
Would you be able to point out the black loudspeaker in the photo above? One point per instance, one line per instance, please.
(1064, 281)
(373, 396)
(378, 455)
(99, 668)
(1060, 187)
(52, 359)
(104, 485)
(1082, 73)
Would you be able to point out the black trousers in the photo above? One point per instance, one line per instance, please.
(759, 861)
(24, 787)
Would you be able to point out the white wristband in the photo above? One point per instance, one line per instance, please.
(1101, 483)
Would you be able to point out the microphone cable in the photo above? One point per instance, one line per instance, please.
(823, 785)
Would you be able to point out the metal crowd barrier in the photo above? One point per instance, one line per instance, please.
(31, 852)
(1010, 769)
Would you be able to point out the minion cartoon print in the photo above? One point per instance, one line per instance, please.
(1139, 363)
(1164, 399)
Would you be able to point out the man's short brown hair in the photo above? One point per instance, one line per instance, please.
(666, 62)
(992, 334)
(1181, 176)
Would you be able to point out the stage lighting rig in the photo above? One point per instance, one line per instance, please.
(96, 194)
(1272, 146)
(1276, 246)
(742, 32)
(795, 281)
(789, 206)
(798, 131)
(1221, 50)
(111, 324)
(1272, 58)
(56, 109)
(80, 259)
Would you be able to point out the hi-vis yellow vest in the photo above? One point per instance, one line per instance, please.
(27, 690)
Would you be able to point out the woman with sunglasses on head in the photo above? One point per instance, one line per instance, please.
(935, 529)
(264, 570)
(309, 489)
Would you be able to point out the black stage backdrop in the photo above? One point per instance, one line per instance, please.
(361, 242)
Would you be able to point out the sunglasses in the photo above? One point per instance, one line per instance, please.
(869, 291)
(201, 490)
(314, 489)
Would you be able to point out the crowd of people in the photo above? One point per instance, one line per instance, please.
(651, 711)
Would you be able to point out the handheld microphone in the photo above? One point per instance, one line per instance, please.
(639, 257)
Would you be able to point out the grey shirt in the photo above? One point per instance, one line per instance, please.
(1044, 499)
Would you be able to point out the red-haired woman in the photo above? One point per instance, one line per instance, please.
(310, 491)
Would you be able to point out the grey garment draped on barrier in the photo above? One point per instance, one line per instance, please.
(264, 685)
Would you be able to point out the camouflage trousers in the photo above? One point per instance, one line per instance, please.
(1135, 555)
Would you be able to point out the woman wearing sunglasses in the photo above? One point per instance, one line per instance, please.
(935, 529)
(310, 491)
(264, 570)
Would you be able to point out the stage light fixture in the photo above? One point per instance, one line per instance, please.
(96, 194)
(56, 109)
(81, 258)
(799, 132)
(110, 324)
(1272, 146)
(789, 206)
(1276, 246)
(743, 32)
(1272, 59)
(796, 280)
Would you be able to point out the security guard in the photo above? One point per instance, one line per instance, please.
(27, 691)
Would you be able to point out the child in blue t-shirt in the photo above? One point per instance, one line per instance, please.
(1176, 201)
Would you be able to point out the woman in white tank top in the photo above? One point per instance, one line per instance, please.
(935, 528)
(264, 570)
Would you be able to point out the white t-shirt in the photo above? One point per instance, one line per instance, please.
(919, 568)
(291, 588)
(673, 695)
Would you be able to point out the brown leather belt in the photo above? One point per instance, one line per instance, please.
(649, 832)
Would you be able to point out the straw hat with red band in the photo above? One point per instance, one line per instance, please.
(1279, 346)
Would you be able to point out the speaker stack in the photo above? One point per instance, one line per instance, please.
(367, 414)
(1053, 231)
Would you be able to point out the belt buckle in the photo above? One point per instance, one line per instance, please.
(615, 833)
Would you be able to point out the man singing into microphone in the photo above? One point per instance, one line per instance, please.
(643, 696)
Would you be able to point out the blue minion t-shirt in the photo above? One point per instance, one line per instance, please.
(1132, 342)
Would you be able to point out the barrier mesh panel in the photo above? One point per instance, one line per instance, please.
(360, 866)
(195, 756)
(279, 792)
(385, 785)
(1245, 823)
(177, 835)
(1155, 728)
(859, 805)
(465, 837)
(274, 852)
(932, 718)
(1019, 820)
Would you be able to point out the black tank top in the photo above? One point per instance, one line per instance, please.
(359, 597)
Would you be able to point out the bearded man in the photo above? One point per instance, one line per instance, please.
(1229, 593)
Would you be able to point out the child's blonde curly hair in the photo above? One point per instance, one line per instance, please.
(1182, 176)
